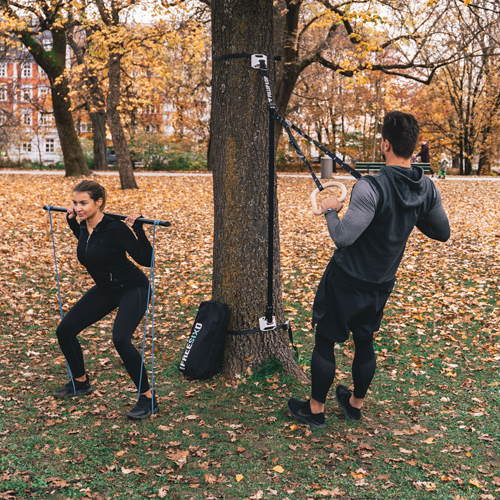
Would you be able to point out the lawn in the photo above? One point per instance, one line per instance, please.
(430, 427)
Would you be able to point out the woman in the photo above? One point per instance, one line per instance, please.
(102, 246)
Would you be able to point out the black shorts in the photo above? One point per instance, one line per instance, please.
(340, 307)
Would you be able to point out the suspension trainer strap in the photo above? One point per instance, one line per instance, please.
(295, 146)
(68, 370)
(285, 326)
(243, 55)
(151, 299)
(334, 157)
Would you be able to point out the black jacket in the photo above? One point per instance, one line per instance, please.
(104, 252)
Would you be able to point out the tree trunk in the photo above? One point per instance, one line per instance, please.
(99, 131)
(239, 155)
(74, 159)
(123, 160)
(53, 62)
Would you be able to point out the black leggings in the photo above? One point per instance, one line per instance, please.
(95, 305)
(323, 367)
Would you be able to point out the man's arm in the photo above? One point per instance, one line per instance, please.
(362, 207)
(435, 225)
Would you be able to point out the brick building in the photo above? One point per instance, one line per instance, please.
(27, 127)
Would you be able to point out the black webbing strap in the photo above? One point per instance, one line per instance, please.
(284, 326)
(243, 55)
(295, 146)
(334, 157)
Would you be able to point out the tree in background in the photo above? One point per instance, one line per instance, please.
(26, 21)
(461, 109)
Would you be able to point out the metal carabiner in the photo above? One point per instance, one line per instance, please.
(314, 194)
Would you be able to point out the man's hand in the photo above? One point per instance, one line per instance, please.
(331, 202)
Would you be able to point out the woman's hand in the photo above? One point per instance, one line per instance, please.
(71, 212)
(131, 219)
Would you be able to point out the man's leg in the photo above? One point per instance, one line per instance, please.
(363, 369)
(322, 372)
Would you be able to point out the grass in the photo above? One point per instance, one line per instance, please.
(430, 425)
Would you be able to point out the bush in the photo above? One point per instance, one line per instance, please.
(180, 159)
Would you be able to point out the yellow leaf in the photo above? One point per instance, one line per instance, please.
(279, 469)
(475, 483)
(429, 440)
(293, 427)
(120, 453)
(239, 477)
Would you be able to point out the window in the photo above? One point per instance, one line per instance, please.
(26, 147)
(85, 127)
(3, 93)
(26, 93)
(26, 118)
(149, 128)
(3, 70)
(49, 145)
(46, 118)
(41, 74)
(47, 44)
(43, 92)
(26, 70)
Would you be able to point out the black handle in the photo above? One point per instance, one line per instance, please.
(163, 223)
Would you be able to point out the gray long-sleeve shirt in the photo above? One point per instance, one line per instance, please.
(362, 207)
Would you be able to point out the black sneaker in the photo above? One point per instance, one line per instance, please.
(343, 395)
(301, 410)
(68, 390)
(143, 408)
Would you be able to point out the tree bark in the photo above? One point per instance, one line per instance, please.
(123, 160)
(239, 155)
(99, 132)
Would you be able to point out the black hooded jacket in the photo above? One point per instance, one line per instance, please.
(405, 198)
(104, 253)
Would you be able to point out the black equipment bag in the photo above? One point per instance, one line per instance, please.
(204, 352)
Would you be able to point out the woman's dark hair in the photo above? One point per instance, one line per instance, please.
(401, 130)
(94, 189)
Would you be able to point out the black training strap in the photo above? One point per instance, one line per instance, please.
(243, 55)
(284, 326)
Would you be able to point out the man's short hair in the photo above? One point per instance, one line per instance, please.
(401, 130)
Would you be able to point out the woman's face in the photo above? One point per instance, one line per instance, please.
(85, 206)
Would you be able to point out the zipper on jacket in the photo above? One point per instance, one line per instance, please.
(110, 276)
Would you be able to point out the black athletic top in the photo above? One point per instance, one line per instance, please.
(103, 253)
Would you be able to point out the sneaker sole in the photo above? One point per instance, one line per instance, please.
(348, 416)
(142, 417)
(305, 421)
(72, 394)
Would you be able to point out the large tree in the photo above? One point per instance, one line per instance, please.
(26, 21)
(239, 156)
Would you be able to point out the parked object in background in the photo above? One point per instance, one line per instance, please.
(110, 154)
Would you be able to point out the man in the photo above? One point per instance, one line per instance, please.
(370, 240)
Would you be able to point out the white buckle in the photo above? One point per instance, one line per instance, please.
(265, 326)
(256, 59)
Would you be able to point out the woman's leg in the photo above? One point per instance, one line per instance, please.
(133, 305)
(92, 307)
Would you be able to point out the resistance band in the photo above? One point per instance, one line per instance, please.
(68, 370)
(151, 297)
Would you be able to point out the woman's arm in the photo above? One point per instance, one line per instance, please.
(139, 248)
(73, 223)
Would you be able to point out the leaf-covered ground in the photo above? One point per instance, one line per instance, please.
(430, 426)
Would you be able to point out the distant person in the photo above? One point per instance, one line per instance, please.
(370, 240)
(443, 166)
(425, 156)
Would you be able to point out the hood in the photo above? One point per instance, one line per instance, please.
(409, 183)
